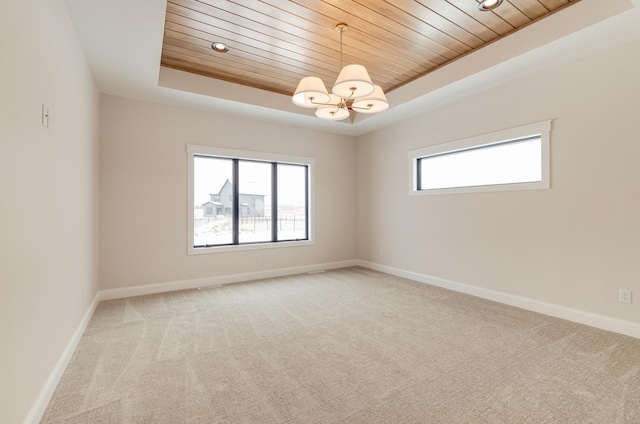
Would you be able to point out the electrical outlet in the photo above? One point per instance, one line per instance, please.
(255, 258)
(624, 296)
(381, 252)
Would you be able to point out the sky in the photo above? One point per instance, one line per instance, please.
(211, 173)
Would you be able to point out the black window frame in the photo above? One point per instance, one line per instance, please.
(236, 211)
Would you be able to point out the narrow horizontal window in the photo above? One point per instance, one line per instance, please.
(510, 162)
(240, 200)
(515, 159)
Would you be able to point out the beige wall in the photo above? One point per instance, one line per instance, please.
(143, 193)
(574, 245)
(48, 192)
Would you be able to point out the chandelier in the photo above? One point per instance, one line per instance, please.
(353, 90)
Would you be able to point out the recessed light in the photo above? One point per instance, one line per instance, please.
(219, 47)
(488, 5)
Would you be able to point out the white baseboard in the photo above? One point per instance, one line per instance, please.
(40, 405)
(603, 322)
(214, 281)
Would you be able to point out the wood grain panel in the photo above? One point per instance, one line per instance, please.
(325, 17)
(242, 38)
(401, 17)
(235, 74)
(533, 9)
(490, 20)
(390, 74)
(181, 43)
(313, 43)
(438, 22)
(461, 19)
(554, 4)
(511, 14)
(278, 57)
(375, 23)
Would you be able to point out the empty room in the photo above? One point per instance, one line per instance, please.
(323, 211)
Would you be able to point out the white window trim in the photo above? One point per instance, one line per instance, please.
(194, 150)
(543, 128)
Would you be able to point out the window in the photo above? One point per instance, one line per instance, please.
(515, 159)
(268, 204)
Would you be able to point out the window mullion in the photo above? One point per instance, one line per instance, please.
(235, 208)
(274, 202)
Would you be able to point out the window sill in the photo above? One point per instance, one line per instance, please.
(245, 247)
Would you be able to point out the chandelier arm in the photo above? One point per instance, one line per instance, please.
(321, 104)
(361, 108)
(353, 91)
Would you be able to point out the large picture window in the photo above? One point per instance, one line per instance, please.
(515, 159)
(240, 200)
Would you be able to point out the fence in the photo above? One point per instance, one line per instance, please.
(254, 223)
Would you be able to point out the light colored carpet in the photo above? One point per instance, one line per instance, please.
(344, 346)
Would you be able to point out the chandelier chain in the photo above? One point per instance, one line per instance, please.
(339, 105)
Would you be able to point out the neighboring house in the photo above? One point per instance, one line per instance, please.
(220, 203)
(211, 208)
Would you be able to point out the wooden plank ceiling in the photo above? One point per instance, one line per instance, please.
(275, 43)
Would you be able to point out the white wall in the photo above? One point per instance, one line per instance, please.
(574, 245)
(143, 193)
(48, 192)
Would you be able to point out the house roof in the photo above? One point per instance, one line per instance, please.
(250, 185)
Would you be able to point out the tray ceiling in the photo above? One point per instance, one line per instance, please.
(275, 43)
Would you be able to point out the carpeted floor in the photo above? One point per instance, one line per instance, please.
(343, 346)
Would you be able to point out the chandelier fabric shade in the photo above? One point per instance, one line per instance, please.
(353, 82)
(353, 90)
(376, 102)
(310, 89)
